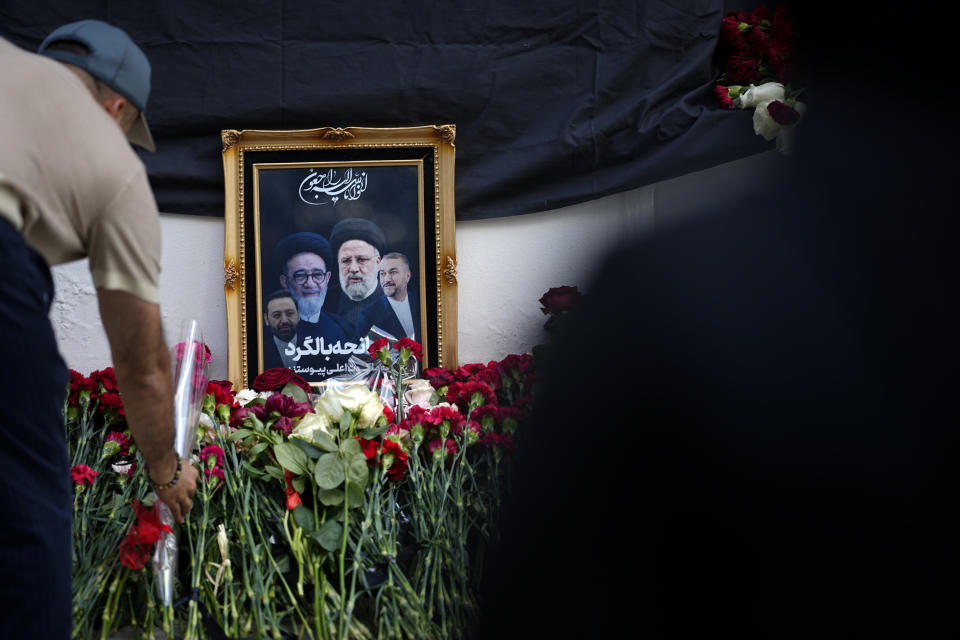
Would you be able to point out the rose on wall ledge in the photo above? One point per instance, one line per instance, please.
(757, 53)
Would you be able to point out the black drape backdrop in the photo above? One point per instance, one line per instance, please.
(555, 102)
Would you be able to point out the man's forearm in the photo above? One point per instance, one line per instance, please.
(148, 400)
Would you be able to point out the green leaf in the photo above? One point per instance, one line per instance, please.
(329, 535)
(345, 421)
(274, 471)
(252, 469)
(329, 471)
(357, 471)
(292, 457)
(355, 495)
(299, 484)
(258, 448)
(294, 392)
(304, 518)
(324, 441)
(239, 434)
(255, 422)
(330, 497)
(351, 448)
(309, 449)
(370, 434)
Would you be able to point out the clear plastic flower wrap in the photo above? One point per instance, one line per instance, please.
(377, 376)
(191, 362)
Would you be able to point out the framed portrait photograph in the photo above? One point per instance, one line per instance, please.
(335, 237)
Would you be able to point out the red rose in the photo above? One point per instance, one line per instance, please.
(743, 69)
(783, 113)
(275, 379)
(560, 299)
(284, 405)
(238, 415)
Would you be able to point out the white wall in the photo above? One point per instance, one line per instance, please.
(504, 266)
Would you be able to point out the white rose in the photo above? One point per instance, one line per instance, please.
(753, 95)
(763, 123)
(419, 393)
(370, 412)
(356, 399)
(311, 423)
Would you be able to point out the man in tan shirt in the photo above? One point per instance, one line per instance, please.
(71, 187)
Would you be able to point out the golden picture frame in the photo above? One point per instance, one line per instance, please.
(309, 214)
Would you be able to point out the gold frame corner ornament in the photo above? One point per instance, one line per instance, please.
(450, 271)
(335, 134)
(230, 274)
(229, 138)
(447, 133)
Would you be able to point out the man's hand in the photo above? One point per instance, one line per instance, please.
(142, 364)
(178, 496)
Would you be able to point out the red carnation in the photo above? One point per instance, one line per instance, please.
(82, 474)
(731, 35)
(106, 379)
(377, 346)
(451, 448)
(470, 394)
(783, 113)
(559, 300)
(412, 345)
(370, 448)
(742, 69)
(438, 377)
(464, 372)
(388, 414)
(123, 443)
(275, 379)
(398, 466)
(221, 394)
(133, 556)
(723, 96)
(112, 400)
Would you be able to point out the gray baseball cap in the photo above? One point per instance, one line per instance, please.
(113, 59)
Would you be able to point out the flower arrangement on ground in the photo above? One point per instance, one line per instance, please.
(317, 517)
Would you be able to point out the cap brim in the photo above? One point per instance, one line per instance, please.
(139, 133)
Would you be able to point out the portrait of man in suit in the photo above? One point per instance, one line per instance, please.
(397, 312)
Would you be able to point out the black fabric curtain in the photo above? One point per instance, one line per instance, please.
(555, 102)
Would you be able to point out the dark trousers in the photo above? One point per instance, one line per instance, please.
(35, 485)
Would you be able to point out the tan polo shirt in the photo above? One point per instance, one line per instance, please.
(82, 190)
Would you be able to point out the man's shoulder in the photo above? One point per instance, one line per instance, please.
(326, 323)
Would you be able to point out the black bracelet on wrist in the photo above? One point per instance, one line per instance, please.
(176, 476)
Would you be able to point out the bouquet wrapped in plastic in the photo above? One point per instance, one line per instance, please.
(191, 361)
